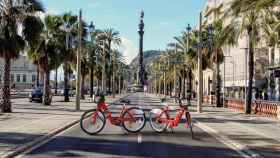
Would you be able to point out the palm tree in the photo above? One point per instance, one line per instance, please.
(14, 14)
(182, 46)
(84, 72)
(118, 65)
(93, 54)
(248, 18)
(112, 37)
(271, 34)
(220, 37)
(69, 21)
(46, 52)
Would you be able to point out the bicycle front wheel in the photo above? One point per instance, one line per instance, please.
(134, 120)
(158, 120)
(92, 121)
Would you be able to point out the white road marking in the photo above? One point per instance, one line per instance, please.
(249, 129)
(243, 150)
(139, 140)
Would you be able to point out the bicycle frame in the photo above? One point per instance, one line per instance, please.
(113, 120)
(174, 122)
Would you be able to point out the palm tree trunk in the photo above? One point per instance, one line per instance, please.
(189, 91)
(6, 103)
(55, 81)
(184, 86)
(38, 76)
(170, 89)
(82, 88)
(98, 86)
(120, 90)
(91, 81)
(251, 71)
(47, 89)
(218, 103)
(180, 87)
(113, 81)
(66, 87)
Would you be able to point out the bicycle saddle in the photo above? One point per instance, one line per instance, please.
(125, 101)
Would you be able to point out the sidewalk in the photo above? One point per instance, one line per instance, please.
(32, 122)
(252, 135)
(260, 136)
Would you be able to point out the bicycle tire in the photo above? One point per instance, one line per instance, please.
(140, 127)
(158, 130)
(88, 114)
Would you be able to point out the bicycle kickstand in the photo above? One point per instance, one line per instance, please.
(171, 128)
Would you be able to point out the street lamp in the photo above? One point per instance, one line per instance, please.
(78, 79)
(188, 36)
(91, 28)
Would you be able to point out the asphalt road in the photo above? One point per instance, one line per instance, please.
(115, 142)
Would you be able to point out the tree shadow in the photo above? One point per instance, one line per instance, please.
(225, 120)
(74, 146)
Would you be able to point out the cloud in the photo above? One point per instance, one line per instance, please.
(129, 49)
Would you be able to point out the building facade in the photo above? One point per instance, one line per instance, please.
(234, 70)
(23, 73)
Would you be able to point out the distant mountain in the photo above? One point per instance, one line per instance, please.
(149, 57)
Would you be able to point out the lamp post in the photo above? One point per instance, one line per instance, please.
(91, 28)
(78, 80)
(186, 52)
(103, 82)
(200, 77)
(188, 37)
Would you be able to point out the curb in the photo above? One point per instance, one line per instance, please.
(25, 147)
(242, 149)
(21, 149)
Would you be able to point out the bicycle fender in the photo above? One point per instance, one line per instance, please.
(137, 111)
(156, 111)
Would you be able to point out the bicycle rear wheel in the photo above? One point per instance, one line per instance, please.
(158, 120)
(92, 121)
(190, 124)
(134, 120)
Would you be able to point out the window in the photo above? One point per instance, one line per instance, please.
(24, 78)
(33, 78)
(18, 77)
(12, 77)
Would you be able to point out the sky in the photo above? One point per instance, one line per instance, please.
(163, 20)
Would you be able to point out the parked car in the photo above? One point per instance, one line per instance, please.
(36, 95)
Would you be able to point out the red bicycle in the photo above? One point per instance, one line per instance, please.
(160, 119)
(131, 119)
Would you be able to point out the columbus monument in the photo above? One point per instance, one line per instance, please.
(141, 69)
